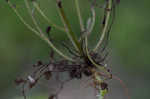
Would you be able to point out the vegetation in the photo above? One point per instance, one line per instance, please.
(81, 59)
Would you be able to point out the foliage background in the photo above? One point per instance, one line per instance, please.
(129, 54)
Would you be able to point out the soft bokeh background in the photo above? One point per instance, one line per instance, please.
(129, 54)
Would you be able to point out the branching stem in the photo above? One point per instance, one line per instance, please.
(41, 34)
(22, 20)
(102, 68)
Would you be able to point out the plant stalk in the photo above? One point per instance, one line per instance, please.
(108, 13)
(42, 34)
(67, 25)
(79, 14)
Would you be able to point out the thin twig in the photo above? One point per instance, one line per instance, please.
(123, 85)
(108, 12)
(90, 25)
(93, 20)
(69, 31)
(79, 14)
(110, 27)
(46, 18)
(42, 34)
(72, 51)
(22, 20)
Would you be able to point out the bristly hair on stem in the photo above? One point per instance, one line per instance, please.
(83, 60)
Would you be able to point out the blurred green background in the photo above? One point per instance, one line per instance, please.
(129, 44)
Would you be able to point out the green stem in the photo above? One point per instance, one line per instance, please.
(42, 34)
(46, 18)
(79, 15)
(89, 29)
(22, 20)
(109, 7)
(69, 31)
(102, 68)
(93, 20)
